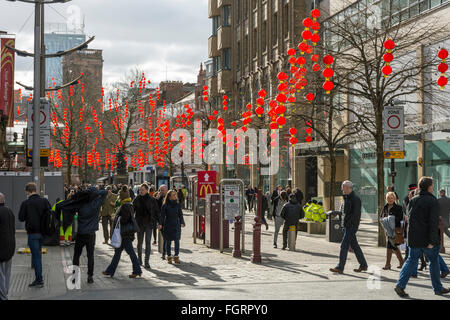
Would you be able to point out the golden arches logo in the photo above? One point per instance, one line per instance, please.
(204, 190)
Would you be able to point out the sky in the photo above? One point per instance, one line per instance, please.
(149, 34)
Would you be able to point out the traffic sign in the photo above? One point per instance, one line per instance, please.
(232, 200)
(44, 127)
(394, 154)
(394, 119)
(207, 183)
(394, 142)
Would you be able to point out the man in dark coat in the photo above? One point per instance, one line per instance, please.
(7, 246)
(291, 213)
(147, 217)
(31, 211)
(352, 218)
(444, 204)
(88, 220)
(423, 238)
(274, 199)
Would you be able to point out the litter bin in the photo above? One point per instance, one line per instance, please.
(334, 232)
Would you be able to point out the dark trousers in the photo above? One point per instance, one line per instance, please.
(168, 244)
(285, 234)
(35, 244)
(146, 230)
(83, 240)
(107, 223)
(126, 245)
(349, 240)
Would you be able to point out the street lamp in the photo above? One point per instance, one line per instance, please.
(38, 73)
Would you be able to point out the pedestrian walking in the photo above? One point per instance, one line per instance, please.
(299, 195)
(172, 221)
(444, 205)
(291, 213)
(88, 222)
(7, 246)
(181, 198)
(423, 237)
(269, 205)
(351, 220)
(250, 195)
(162, 192)
(147, 217)
(128, 227)
(278, 219)
(274, 199)
(395, 211)
(106, 214)
(31, 212)
(264, 210)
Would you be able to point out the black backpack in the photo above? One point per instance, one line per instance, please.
(49, 223)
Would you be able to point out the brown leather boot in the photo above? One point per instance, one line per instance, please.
(169, 259)
(176, 259)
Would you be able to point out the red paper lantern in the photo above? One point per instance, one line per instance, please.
(309, 130)
(328, 59)
(273, 126)
(272, 103)
(262, 93)
(282, 86)
(307, 22)
(443, 67)
(316, 67)
(389, 44)
(308, 139)
(315, 57)
(328, 86)
(259, 111)
(387, 70)
(280, 109)
(291, 52)
(306, 35)
(443, 54)
(301, 61)
(303, 46)
(315, 38)
(293, 140)
(281, 98)
(281, 121)
(234, 123)
(442, 81)
(292, 99)
(315, 26)
(310, 96)
(328, 73)
(293, 131)
(260, 101)
(315, 13)
(388, 57)
(282, 76)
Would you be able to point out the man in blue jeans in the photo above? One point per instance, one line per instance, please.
(31, 212)
(352, 218)
(423, 237)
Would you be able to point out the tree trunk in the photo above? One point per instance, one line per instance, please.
(69, 169)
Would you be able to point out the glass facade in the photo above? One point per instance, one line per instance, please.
(58, 42)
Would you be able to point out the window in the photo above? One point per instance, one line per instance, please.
(215, 25)
(274, 29)
(255, 42)
(238, 62)
(216, 64)
(226, 16)
(226, 59)
(286, 20)
(264, 37)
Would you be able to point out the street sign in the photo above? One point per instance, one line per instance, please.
(207, 183)
(394, 154)
(394, 129)
(44, 129)
(232, 201)
(394, 119)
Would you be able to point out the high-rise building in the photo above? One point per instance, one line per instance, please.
(59, 38)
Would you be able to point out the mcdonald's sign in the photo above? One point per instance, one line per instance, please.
(207, 183)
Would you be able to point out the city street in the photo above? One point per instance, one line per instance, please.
(206, 274)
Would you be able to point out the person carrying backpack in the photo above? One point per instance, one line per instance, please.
(33, 212)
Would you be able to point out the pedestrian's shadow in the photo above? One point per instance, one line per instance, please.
(291, 267)
(174, 278)
(316, 254)
(200, 271)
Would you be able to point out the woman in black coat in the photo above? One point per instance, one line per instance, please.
(172, 221)
(392, 209)
(127, 231)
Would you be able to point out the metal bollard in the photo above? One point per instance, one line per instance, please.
(237, 237)
(292, 237)
(256, 255)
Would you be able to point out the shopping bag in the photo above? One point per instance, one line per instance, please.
(116, 239)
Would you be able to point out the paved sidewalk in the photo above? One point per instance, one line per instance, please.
(206, 274)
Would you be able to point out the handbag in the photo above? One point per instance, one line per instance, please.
(116, 239)
(399, 238)
(130, 227)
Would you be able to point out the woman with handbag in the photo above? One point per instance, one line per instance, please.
(128, 227)
(172, 221)
(393, 209)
